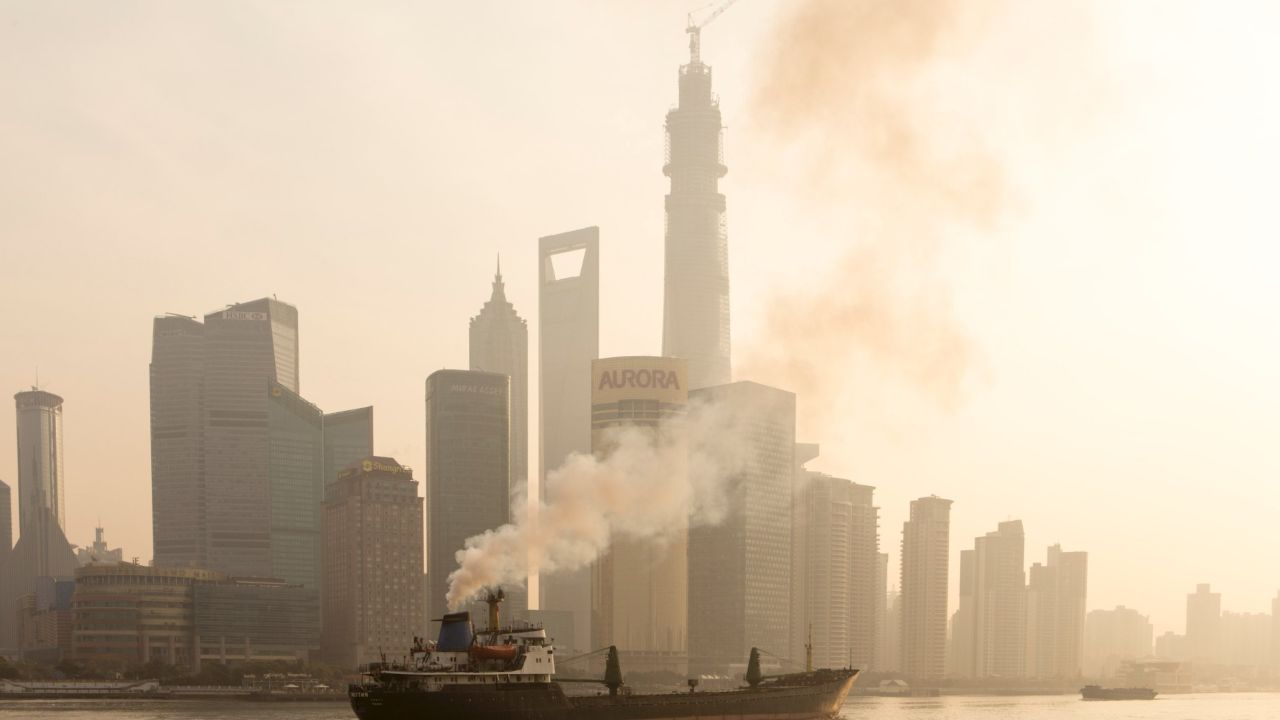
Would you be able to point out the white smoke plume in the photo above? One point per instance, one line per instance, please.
(649, 487)
(849, 88)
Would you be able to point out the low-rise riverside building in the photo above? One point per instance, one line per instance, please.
(134, 614)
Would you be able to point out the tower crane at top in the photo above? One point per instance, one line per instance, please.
(695, 28)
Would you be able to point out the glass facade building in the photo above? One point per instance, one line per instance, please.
(568, 340)
(241, 620)
(238, 458)
(41, 470)
(295, 469)
(468, 451)
(178, 518)
(246, 347)
(348, 437)
(740, 569)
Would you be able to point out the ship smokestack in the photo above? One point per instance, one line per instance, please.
(494, 600)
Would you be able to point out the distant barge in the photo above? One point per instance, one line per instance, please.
(1097, 692)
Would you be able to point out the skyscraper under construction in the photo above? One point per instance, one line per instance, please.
(696, 300)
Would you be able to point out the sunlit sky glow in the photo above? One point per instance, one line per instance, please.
(366, 162)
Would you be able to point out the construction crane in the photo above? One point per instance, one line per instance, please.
(695, 29)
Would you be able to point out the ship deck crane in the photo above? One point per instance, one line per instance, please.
(695, 29)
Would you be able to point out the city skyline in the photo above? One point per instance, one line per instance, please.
(1124, 383)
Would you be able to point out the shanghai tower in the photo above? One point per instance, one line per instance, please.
(695, 323)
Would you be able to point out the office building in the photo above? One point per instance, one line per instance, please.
(1204, 620)
(239, 620)
(499, 343)
(41, 470)
(348, 437)
(835, 566)
(740, 568)
(238, 457)
(178, 518)
(926, 539)
(639, 589)
(1055, 608)
(251, 351)
(695, 322)
(295, 477)
(468, 468)
(372, 582)
(6, 520)
(1112, 637)
(568, 340)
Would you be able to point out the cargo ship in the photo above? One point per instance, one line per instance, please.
(1097, 692)
(508, 673)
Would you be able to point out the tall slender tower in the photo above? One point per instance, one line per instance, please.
(500, 344)
(695, 324)
(568, 340)
(40, 468)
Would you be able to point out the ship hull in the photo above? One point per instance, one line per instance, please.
(803, 697)
(1100, 693)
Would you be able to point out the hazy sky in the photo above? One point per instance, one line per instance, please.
(1109, 373)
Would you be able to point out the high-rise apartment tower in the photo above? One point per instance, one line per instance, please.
(835, 562)
(999, 597)
(926, 537)
(1056, 593)
(1204, 625)
(695, 324)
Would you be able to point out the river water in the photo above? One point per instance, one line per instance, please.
(1242, 706)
